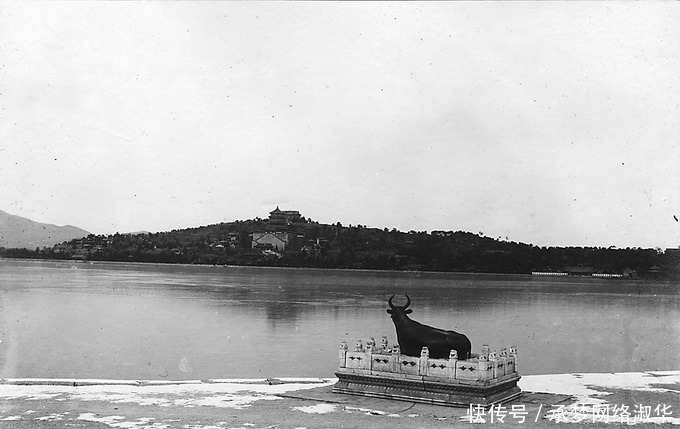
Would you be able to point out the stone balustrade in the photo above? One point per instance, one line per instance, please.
(383, 360)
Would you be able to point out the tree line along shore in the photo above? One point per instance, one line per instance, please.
(307, 244)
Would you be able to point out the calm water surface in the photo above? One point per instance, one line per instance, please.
(136, 321)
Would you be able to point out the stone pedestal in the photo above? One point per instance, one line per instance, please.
(485, 379)
(420, 389)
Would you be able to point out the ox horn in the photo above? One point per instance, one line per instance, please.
(408, 302)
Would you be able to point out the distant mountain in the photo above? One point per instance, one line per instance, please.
(17, 231)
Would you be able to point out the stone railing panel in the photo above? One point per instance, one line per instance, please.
(381, 362)
(409, 365)
(486, 368)
(438, 368)
(467, 370)
(358, 360)
(380, 359)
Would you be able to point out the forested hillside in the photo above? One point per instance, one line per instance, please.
(311, 244)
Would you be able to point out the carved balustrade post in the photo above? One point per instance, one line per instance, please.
(394, 359)
(343, 354)
(369, 354)
(424, 358)
(512, 358)
(453, 361)
(484, 368)
(384, 347)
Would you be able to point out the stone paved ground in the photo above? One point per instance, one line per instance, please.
(286, 405)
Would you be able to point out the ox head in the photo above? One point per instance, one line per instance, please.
(397, 311)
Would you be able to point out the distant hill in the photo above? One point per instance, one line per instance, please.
(19, 232)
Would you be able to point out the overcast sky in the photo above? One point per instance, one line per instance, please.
(547, 123)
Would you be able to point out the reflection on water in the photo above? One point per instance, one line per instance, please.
(107, 320)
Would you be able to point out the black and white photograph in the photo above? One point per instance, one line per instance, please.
(321, 214)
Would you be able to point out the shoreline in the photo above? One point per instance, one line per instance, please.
(558, 383)
(346, 270)
(79, 382)
(302, 402)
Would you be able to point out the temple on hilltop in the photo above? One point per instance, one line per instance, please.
(283, 218)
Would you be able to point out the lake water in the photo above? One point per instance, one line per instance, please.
(137, 321)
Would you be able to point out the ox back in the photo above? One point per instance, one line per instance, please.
(413, 336)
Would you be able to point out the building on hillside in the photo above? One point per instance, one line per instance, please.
(270, 240)
(283, 218)
(629, 272)
(654, 270)
(580, 270)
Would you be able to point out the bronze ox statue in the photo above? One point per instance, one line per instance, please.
(413, 336)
